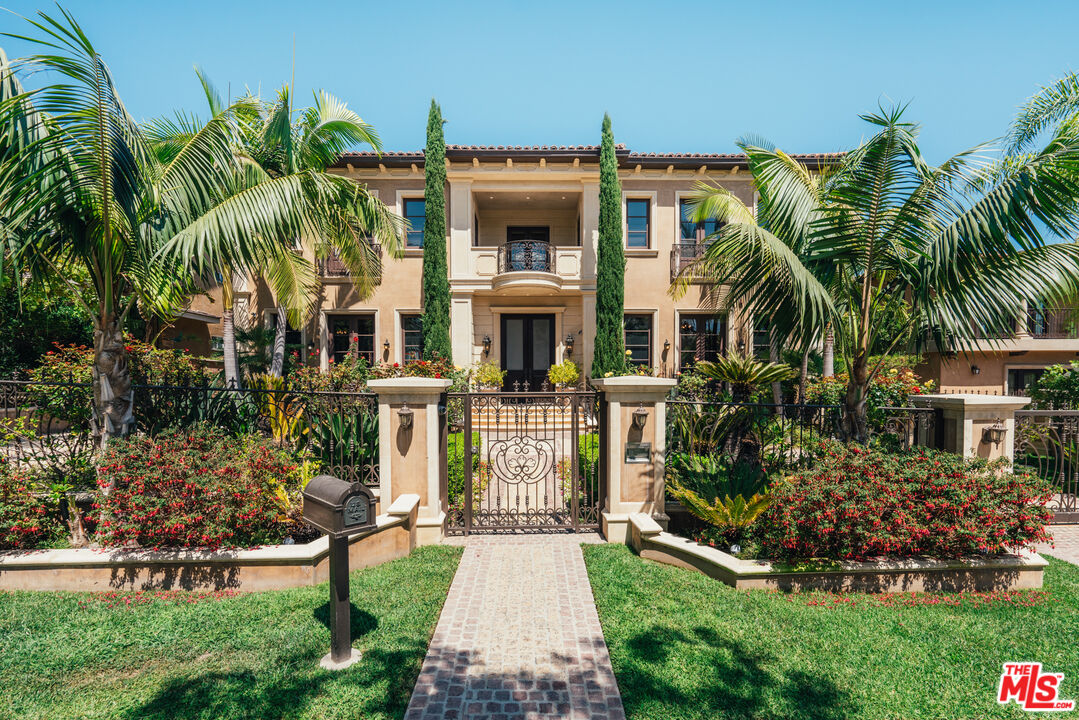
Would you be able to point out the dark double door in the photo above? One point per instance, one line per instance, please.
(527, 350)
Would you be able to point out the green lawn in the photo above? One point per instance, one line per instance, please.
(685, 646)
(249, 656)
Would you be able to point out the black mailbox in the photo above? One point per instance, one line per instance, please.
(338, 508)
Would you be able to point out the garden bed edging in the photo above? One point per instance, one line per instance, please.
(270, 567)
(995, 572)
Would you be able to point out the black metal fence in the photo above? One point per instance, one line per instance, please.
(48, 426)
(1047, 444)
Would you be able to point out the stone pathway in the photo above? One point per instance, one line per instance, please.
(1066, 539)
(519, 637)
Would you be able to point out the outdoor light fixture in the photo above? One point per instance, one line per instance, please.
(735, 549)
(569, 344)
(486, 344)
(995, 433)
(741, 347)
(975, 370)
(640, 417)
(666, 346)
(405, 416)
(386, 345)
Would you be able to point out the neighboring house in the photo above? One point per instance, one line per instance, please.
(522, 227)
(1043, 336)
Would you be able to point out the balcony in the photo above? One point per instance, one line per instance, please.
(685, 254)
(1052, 323)
(333, 267)
(526, 256)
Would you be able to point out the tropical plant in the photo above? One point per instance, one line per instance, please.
(731, 515)
(281, 410)
(563, 374)
(963, 245)
(436, 283)
(608, 347)
(744, 374)
(1057, 388)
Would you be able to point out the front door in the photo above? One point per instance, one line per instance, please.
(527, 350)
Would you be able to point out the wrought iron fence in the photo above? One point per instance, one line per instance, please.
(519, 461)
(48, 427)
(526, 255)
(903, 428)
(1047, 444)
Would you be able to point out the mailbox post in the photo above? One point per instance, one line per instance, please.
(339, 509)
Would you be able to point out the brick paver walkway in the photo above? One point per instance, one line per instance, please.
(1066, 539)
(519, 637)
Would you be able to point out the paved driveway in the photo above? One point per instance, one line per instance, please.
(1066, 540)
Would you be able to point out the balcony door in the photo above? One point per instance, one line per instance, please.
(528, 248)
(527, 350)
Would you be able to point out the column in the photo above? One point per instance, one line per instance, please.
(461, 332)
(634, 464)
(967, 421)
(411, 428)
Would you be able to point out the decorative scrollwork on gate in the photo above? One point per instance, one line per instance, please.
(521, 459)
(1047, 444)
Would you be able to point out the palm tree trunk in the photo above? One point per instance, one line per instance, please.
(113, 397)
(228, 333)
(828, 354)
(803, 375)
(773, 356)
(855, 412)
(277, 363)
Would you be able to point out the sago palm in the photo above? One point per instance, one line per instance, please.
(964, 244)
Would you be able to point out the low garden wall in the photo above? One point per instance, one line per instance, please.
(270, 567)
(1000, 572)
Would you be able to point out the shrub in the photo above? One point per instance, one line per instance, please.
(889, 388)
(193, 488)
(27, 518)
(588, 482)
(1058, 387)
(857, 503)
(455, 467)
(563, 374)
(487, 374)
(349, 375)
(437, 368)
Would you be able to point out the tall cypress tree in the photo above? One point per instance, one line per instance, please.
(608, 354)
(436, 281)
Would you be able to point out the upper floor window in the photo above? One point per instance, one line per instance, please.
(415, 213)
(696, 232)
(638, 220)
(762, 339)
(412, 337)
(639, 339)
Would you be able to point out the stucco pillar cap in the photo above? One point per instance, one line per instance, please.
(391, 387)
(972, 402)
(637, 387)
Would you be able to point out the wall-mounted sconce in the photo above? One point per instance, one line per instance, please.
(405, 416)
(640, 417)
(569, 344)
(666, 346)
(741, 347)
(975, 370)
(995, 433)
(386, 345)
(486, 344)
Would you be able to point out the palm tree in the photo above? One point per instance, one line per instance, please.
(964, 245)
(343, 217)
(82, 183)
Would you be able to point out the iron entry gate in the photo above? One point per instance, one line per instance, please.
(523, 461)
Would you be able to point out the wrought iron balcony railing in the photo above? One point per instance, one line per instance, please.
(526, 256)
(684, 254)
(333, 267)
(1056, 322)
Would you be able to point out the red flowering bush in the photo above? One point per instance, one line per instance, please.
(857, 503)
(196, 487)
(889, 388)
(26, 518)
(437, 368)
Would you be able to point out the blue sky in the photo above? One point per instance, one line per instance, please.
(677, 77)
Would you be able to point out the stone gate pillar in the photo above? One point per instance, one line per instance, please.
(635, 447)
(967, 418)
(410, 432)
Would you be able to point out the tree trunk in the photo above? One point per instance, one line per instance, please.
(277, 363)
(803, 375)
(828, 354)
(228, 334)
(855, 413)
(113, 398)
(773, 356)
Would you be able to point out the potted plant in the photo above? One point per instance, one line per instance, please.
(489, 377)
(563, 375)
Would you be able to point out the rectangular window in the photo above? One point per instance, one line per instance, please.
(412, 337)
(352, 334)
(293, 337)
(701, 337)
(637, 223)
(1020, 379)
(415, 212)
(639, 339)
(696, 232)
(762, 339)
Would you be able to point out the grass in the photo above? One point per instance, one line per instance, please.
(74, 655)
(686, 647)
